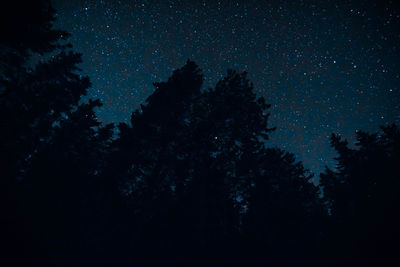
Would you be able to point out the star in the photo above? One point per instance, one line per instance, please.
(285, 47)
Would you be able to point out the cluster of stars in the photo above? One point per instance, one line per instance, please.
(325, 66)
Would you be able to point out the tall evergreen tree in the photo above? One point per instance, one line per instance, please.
(282, 224)
(229, 125)
(51, 147)
(33, 98)
(147, 151)
(362, 196)
(151, 157)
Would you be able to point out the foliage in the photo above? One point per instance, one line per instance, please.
(190, 181)
(362, 196)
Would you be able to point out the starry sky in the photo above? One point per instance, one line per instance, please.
(325, 66)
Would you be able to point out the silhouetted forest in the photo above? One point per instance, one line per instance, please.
(189, 182)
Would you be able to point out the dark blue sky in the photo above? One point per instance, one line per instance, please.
(325, 66)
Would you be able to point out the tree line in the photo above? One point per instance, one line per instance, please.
(188, 182)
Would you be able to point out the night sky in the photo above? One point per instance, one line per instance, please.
(325, 66)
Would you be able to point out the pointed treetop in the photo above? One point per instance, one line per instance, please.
(183, 83)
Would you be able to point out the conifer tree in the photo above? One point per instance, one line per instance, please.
(151, 159)
(52, 147)
(284, 214)
(362, 196)
(230, 125)
(33, 96)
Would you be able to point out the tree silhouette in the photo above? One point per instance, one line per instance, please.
(282, 224)
(362, 196)
(198, 177)
(229, 124)
(51, 146)
(152, 161)
(63, 185)
(191, 181)
(32, 98)
(26, 29)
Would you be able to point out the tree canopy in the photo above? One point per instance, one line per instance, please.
(191, 181)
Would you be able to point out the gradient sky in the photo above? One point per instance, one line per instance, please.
(325, 66)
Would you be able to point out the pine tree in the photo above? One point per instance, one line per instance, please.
(52, 148)
(281, 224)
(33, 98)
(152, 159)
(229, 125)
(362, 195)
